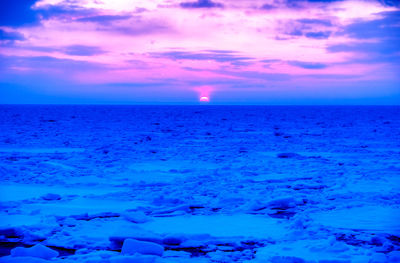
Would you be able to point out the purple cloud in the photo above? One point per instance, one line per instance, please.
(80, 50)
(103, 19)
(318, 35)
(220, 56)
(201, 4)
(309, 21)
(10, 35)
(307, 65)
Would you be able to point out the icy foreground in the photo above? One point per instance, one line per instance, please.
(119, 184)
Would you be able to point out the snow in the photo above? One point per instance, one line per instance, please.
(239, 225)
(41, 150)
(384, 219)
(22, 260)
(38, 251)
(105, 184)
(132, 246)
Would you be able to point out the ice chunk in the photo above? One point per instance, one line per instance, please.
(279, 259)
(37, 251)
(173, 240)
(284, 202)
(22, 260)
(137, 258)
(289, 155)
(10, 231)
(133, 232)
(14, 221)
(394, 256)
(235, 225)
(334, 261)
(385, 219)
(51, 196)
(41, 150)
(132, 246)
(136, 217)
(378, 258)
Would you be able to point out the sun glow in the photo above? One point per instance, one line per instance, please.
(204, 99)
(204, 93)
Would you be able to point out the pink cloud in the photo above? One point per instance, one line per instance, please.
(186, 46)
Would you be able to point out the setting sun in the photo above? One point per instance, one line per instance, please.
(204, 99)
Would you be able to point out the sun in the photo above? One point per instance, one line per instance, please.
(204, 99)
(204, 93)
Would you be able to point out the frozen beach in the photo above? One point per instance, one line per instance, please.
(116, 184)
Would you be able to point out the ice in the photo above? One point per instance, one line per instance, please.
(200, 184)
(17, 220)
(133, 259)
(240, 225)
(378, 258)
(384, 219)
(38, 251)
(23, 191)
(23, 260)
(41, 150)
(133, 232)
(316, 250)
(289, 155)
(136, 217)
(284, 202)
(394, 256)
(51, 196)
(132, 246)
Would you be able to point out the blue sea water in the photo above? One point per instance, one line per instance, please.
(200, 183)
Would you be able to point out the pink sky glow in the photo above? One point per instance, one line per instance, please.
(174, 51)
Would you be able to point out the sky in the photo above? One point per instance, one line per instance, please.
(200, 51)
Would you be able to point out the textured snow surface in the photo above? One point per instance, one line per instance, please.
(116, 184)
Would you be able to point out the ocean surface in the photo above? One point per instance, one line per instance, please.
(199, 183)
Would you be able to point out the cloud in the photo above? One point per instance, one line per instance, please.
(132, 25)
(331, 76)
(309, 21)
(293, 32)
(292, 2)
(10, 35)
(303, 3)
(256, 75)
(268, 7)
(80, 50)
(17, 13)
(103, 19)
(150, 84)
(221, 51)
(386, 27)
(270, 60)
(64, 10)
(316, 1)
(220, 56)
(307, 65)
(201, 4)
(42, 63)
(318, 35)
(310, 28)
(381, 47)
(384, 31)
(390, 2)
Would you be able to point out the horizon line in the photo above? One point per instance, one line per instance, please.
(199, 104)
